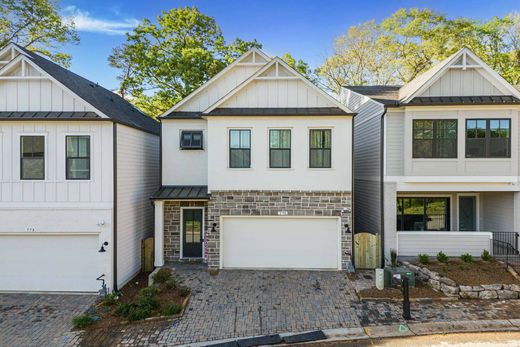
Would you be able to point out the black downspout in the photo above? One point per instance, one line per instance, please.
(114, 228)
(353, 248)
(382, 187)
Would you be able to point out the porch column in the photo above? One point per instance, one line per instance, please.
(516, 213)
(159, 233)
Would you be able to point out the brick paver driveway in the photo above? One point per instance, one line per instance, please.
(245, 303)
(38, 319)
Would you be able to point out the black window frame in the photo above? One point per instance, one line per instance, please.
(321, 148)
(279, 149)
(425, 199)
(242, 149)
(22, 157)
(435, 140)
(191, 146)
(67, 158)
(487, 138)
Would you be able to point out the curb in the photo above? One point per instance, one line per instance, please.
(398, 330)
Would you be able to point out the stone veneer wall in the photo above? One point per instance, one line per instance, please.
(269, 203)
(172, 226)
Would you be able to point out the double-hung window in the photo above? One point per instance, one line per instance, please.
(488, 138)
(32, 157)
(320, 148)
(78, 157)
(423, 213)
(435, 138)
(239, 148)
(279, 148)
(191, 139)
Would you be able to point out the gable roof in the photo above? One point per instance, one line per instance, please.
(387, 95)
(107, 102)
(253, 52)
(295, 75)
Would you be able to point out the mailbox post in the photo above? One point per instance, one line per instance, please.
(406, 299)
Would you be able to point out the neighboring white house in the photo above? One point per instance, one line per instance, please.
(256, 172)
(77, 166)
(437, 160)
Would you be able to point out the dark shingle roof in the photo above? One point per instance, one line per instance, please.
(387, 95)
(182, 115)
(181, 193)
(283, 111)
(464, 100)
(111, 104)
(48, 115)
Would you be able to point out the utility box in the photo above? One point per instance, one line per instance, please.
(394, 276)
(147, 255)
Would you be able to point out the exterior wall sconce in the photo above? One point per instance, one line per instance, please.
(348, 228)
(213, 227)
(102, 249)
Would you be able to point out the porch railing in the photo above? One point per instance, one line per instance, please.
(505, 243)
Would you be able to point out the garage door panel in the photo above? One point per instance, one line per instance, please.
(49, 263)
(283, 243)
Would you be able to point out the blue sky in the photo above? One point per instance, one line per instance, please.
(304, 28)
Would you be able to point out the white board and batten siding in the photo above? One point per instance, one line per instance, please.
(452, 243)
(458, 82)
(138, 176)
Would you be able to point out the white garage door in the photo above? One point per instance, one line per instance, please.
(49, 263)
(280, 243)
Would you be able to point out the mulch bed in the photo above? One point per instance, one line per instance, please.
(473, 274)
(107, 316)
(420, 291)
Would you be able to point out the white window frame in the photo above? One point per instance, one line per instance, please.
(228, 145)
(332, 146)
(45, 156)
(91, 135)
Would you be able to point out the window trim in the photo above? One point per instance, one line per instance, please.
(67, 178)
(488, 130)
(434, 120)
(310, 149)
(285, 149)
(230, 149)
(428, 196)
(44, 135)
(192, 132)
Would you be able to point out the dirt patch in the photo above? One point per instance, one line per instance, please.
(473, 274)
(128, 294)
(420, 291)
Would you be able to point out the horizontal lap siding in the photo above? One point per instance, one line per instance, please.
(394, 142)
(453, 244)
(137, 178)
(498, 211)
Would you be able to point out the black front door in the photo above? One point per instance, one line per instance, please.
(192, 233)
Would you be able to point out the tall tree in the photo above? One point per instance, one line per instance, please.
(301, 66)
(36, 25)
(163, 62)
(410, 41)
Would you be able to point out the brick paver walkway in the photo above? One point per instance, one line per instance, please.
(39, 319)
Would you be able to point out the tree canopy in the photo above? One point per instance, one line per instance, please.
(36, 25)
(163, 62)
(410, 41)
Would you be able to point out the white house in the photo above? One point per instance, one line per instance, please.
(256, 172)
(77, 166)
(444, 153)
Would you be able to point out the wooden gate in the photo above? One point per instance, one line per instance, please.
(367, 251)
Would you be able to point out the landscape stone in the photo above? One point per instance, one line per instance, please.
(513, 287)
(477, 288)
(466, 288)
(448, 281)
(492, 286)
(449, 290)
(488, 294)
(507, 294)
(469, 295)
(436, 285)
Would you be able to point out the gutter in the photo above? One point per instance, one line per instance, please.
(114, 222)
(382, 186)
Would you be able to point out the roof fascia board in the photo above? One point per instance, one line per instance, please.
(262, 70)
(216, 77)
(45, 73)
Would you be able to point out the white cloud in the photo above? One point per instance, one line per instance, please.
(85, 22)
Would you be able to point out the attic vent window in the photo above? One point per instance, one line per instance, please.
(191, 139)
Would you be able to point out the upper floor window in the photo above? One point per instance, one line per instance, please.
(32, 157)
(488, 138)
(240, 148)
(435, 138)
(191, 139)
(77, 157)
(280, 148)
(320, 148)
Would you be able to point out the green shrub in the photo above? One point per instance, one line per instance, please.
(123, 308)
(467, 258)
(486, 256)
(171, 309)
(424, 258)
(162, 276)
(110, 299)
(82, 321)
(441, 257)
(393, 257)
(184, 291)
(171, 284)
(137, 312)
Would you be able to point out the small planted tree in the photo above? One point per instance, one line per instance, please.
(467, 258)
(393, 258)
(486, 256)
(441, 257)
(424, 258)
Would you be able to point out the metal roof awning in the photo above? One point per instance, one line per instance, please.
(42, 115)
(181, 193)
